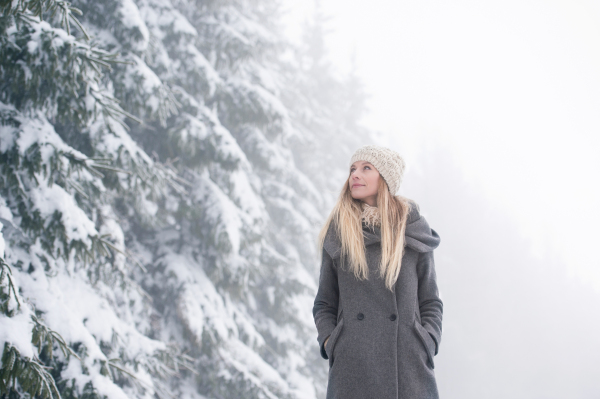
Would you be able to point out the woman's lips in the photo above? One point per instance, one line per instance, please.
(357, 185)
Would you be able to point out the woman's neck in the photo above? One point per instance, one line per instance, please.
(371, 201)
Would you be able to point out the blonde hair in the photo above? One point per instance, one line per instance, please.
(346, 217)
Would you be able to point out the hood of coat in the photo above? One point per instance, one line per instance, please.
(419, 236)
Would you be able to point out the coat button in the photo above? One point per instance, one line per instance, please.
(360, 316)
(393, 317)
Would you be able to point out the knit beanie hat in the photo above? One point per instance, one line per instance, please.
(388, 162)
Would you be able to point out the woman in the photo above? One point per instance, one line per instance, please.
(377, 310)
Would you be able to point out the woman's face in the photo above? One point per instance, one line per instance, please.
(364, 182)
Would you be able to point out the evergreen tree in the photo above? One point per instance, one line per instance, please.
(65, 257)
(160, 194)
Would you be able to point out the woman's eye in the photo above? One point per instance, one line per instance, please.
(367, 167)
(352, 170)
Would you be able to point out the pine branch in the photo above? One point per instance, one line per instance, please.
(59, 75)
(28, 374)
(125, 253)
(6, 272)
(39, 7)
(44, 338)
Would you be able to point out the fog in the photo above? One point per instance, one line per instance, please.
(515, 325)
(511, 90)
(158, 218)
(495, 106)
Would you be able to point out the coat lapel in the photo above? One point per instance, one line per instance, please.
(371, 235)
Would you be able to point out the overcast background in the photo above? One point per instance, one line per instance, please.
(496, 107)
(511, 90)
(184, 237)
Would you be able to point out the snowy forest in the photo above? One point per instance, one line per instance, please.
(162, 183)
(165, 167)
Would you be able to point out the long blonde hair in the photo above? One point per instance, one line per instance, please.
(346, 216)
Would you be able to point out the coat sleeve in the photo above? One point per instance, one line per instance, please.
(430, 304)
(325, 308)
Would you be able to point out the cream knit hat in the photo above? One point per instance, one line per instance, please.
(388, 162)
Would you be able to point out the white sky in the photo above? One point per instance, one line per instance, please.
(510, 88)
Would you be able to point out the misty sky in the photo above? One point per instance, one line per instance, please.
(511, 90)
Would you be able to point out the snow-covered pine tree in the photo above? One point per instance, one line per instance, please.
(65, 270)
(161, 191)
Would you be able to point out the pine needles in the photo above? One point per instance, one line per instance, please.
(26, 374)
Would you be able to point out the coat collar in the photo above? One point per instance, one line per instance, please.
(419, 236)
(371, 234)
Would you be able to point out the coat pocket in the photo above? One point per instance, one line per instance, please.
(427, 341)
(332, 341)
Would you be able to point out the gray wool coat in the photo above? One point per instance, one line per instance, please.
(381, 343)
